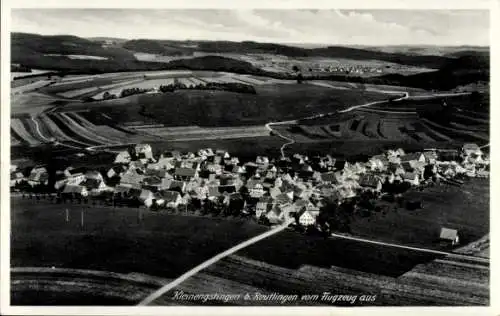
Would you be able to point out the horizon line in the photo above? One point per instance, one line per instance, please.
(252, 41)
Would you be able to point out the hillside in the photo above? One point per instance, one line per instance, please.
(460, 67)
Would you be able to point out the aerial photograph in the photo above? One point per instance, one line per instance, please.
(249, 157)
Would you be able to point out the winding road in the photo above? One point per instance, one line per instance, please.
(291, 141)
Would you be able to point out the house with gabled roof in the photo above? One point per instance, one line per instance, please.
(75, 191)
(94, 186)
(471, 148)
(262, 160)
(163, 163)
(132, 176)
(123, 157)
(331, 177)
(116, 171)
(185, 173)
(370, 182)
(430, 156)
(411, 178)
(213, 192)
(284, 198)
(262, 208)
(377, 162)
(179, 186)
(306, 218)
(413, 157)
(275, 215)
(15, 178)
(449, 235)
(168, 198)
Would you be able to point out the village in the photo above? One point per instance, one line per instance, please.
(270, 190)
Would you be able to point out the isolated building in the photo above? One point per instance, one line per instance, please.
(449, 235)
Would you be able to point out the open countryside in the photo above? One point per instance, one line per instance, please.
(155, 172)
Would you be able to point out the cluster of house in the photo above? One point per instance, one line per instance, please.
(273, 189)
(346, 68)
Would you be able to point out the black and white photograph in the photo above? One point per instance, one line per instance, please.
(272, 157)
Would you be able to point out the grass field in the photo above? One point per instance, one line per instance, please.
(272, 102)
(161, 245)
(167, 245)
(464, 208)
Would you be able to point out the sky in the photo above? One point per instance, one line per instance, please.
(331, 27)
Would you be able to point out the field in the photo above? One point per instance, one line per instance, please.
(220, 108)
(120, 238)
(415, 124)
(161, 245)
(189, 133)
(464, 208)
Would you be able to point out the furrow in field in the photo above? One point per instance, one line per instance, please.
(102, 129)
(73, 131)
(19, 128)
(55, 132)
(90, 127)
(86, 132)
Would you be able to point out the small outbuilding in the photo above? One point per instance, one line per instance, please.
(449, 235)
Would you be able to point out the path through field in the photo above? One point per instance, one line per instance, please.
(153, 296)
(437, 252)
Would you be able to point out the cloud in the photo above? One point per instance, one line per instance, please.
(334, 27)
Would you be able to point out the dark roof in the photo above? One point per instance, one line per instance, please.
(213, 191)
(177, 184)
(185, 172)
(168, 196)
(410, 175)
(329, 176)
(407, 166)
(91, 183)
(339, 164)
(227, 188)
(153, 180)
(470, 146)
(410, 157)
(283, 198)
(369, 180)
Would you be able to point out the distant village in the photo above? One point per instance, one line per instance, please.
(270, 190)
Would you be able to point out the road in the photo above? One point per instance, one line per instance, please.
(431, 251)
(291, 141)
(156, 294)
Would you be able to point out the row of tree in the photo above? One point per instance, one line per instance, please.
(227, 86)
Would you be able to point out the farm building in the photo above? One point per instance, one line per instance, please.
(449, 235)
